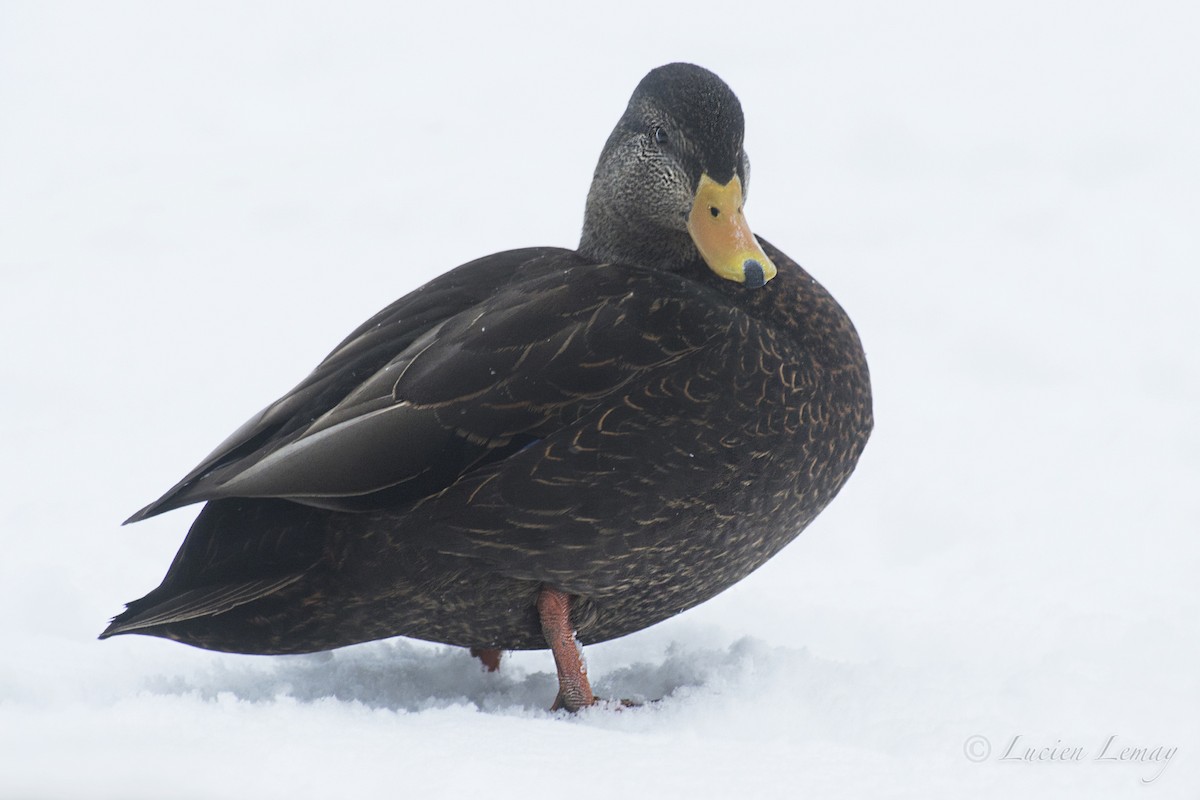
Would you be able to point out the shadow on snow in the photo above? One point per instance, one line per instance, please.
(403, 675)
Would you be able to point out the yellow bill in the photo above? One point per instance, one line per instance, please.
(723, 237)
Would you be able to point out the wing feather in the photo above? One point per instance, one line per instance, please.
(531, 358)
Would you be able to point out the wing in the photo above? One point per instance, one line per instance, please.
(376, 342)
(467, 389)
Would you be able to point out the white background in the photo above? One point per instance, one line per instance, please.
(198, 200)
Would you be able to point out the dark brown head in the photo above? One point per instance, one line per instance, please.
(669, 188)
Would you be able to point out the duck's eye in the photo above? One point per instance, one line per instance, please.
(660, 136)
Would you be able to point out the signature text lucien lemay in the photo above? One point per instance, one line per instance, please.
(1113, 750)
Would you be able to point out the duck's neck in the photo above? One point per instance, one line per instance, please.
(609, 235)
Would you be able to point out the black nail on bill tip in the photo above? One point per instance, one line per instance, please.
(754, 274)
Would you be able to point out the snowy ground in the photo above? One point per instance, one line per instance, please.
(197, 201)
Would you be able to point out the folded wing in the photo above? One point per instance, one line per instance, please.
(464, 372)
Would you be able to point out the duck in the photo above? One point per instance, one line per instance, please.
(543, 448)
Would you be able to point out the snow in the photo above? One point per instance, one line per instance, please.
(198, 201)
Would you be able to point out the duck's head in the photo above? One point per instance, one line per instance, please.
(672, 179)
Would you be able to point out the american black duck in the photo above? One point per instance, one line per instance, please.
(542, 444)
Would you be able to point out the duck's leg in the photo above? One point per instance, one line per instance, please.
(490, 656)
(554, 610)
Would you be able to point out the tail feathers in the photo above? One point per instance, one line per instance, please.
(206, 601)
